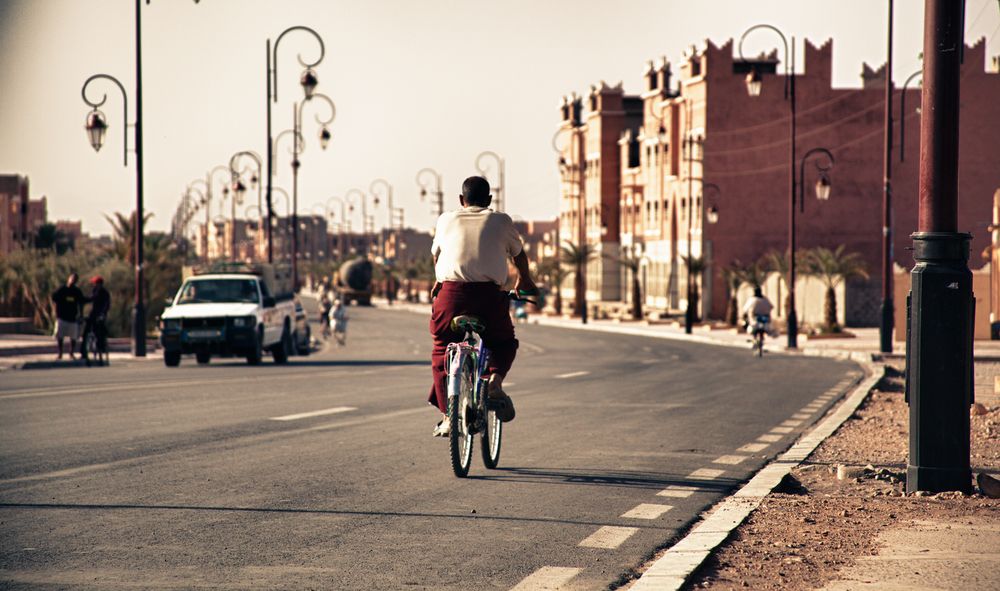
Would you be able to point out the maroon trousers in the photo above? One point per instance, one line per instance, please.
(484, 300)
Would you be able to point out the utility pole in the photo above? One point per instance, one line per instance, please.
(940, 307)
(888, 305)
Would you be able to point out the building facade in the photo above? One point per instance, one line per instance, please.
(705, 150)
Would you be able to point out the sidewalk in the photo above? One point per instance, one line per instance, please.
(29, 351)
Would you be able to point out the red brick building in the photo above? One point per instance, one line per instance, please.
(709, 131)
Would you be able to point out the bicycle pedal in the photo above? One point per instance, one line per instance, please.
(495, 404)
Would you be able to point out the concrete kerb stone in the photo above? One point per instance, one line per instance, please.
(680, 561)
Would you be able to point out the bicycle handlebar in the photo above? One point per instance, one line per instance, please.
(522, 296)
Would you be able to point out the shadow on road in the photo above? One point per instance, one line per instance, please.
(291, 510)
(648, 480)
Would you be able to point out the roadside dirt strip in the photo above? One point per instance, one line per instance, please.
(676, 564)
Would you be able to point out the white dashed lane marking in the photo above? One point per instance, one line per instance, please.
(769, 438)
(547, 578)
(801, 416)
(609, 537)
(572, 374)
(753, 448)
(783, 430)
(315, 413)
(706, 474)
(646, 511)
(730, 460)
(677, 492)
(791, 423)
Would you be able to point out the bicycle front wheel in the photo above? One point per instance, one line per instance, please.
(460, 412)
(491, 440)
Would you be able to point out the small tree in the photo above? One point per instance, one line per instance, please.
(553, 273)
(633, 264)
(833, 267)
(732, 276)
(576, 257)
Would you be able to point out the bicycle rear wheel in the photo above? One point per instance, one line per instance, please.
(490, 440)
(459, 413)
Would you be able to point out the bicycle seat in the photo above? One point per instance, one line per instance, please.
(468, 323)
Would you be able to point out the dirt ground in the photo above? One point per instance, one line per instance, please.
(817, 523)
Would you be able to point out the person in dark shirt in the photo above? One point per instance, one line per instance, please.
(100, 306)
(68, 300)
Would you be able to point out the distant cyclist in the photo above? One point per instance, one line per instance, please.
(757, 311)
(471, 249)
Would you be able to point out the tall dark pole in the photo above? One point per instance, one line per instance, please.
(295, 196)
(270, 163)
(939, 337)
(581, 271)
(139, 309)
(888, 306)
(689, 311)
(793, 319)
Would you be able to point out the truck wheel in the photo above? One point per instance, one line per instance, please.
(280, 350)
(171, 358)
(254, 357)
(203, 357)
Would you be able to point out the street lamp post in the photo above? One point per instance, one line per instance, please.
(940, 320)
(308, 81)
(501, 186)
(364, 213)
(902, 114)
(288, 216)
(324, 139)
(754, 86)
(255, 180)
(690, 141)
(888, 306)
(343, 220)
(386, 191)
(438, 192)
(576, 173)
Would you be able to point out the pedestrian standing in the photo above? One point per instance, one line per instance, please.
(68, 300)
(338, 319)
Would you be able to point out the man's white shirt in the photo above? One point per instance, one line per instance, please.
(473, 244)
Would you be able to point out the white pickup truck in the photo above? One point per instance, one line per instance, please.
(229, 314)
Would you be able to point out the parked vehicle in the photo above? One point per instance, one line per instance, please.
(302, 335)
(231, 310)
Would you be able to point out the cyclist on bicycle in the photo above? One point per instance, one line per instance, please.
(100, 306)
(471, 248)
(757, 312)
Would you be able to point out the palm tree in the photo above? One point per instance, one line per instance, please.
(576, 257)
(777, 262)
(732, 276)
(554, 274)
(123, 227)
(633, 264)
(833, 267)
(695, 267)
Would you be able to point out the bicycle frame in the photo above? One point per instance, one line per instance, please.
(470, 347)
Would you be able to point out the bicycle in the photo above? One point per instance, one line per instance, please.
(470, 411)
(759, 330)
(95, 340)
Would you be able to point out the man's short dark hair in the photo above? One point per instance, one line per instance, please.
(476, 191)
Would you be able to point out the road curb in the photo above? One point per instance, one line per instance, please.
(673, 568)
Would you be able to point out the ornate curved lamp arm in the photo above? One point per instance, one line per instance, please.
(333, 109)
(784, 41)
(387, 192)
(288, 202)
(902, 114)
(422, 174)
(96, 106)
(305, 64)
(343, 207)
(364, 208)
(823, 169)
(291, 151)
(483, 170)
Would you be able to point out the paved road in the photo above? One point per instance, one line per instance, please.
(139, 476)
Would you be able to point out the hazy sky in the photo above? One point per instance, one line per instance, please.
(416, 82)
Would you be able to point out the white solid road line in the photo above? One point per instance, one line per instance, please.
(572, 374)
(647, 511)
(753, 448)
(608, 537)
(315, 413)
(547, 578)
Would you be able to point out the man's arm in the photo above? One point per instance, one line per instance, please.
(524, 282)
